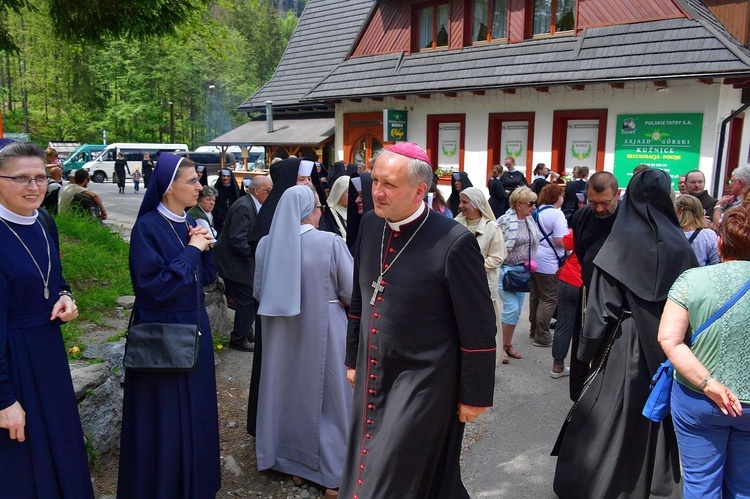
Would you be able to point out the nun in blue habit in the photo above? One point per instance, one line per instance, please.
(42, 450)
(170, 423)
(303, 280)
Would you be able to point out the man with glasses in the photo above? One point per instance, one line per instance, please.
(740, 179)
(591, 225)
(77, 195)
(234, 257)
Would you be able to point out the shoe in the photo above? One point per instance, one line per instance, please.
(565, 372)
(331, 493)
(511, 352)
(538, 344)
(243, 346)
(298, 481)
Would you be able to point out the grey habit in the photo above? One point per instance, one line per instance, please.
(304, 404)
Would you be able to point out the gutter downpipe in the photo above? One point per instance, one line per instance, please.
(720, 152)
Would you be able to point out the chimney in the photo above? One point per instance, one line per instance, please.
(269, 116)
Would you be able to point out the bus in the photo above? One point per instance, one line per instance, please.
(102, 168)
(81, 156)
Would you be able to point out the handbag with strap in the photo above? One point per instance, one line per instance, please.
(658, 404)
(518, 281)
(164, 347)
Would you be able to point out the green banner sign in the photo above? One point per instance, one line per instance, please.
(394, 125)
(670, 142)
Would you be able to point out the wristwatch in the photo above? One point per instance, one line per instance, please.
(67, 293)
(705, 381)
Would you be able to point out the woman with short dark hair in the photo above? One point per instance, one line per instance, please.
(712, 373)
(42, 450)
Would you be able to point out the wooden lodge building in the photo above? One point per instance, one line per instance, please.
(607, 84)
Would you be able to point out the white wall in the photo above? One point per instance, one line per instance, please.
(715, 101)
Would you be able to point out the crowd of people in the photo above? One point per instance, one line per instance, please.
(373, 317)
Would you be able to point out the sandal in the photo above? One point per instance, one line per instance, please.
(512, 352)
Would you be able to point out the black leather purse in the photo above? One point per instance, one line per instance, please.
(163, 347)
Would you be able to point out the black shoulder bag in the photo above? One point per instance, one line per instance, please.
(164, 347)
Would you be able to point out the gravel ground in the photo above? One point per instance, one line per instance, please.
(239, 474)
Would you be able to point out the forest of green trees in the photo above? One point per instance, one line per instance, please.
(143, 76)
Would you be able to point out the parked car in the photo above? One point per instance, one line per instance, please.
(211, 160)
(81, 156)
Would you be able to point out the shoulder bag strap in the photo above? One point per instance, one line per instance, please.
(739, 294)
(197, 298)
(545, 236)
(694, 235)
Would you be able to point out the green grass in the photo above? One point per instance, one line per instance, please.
(95, 264)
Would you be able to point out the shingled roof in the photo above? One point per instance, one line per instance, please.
(314, 69)
(326, 32)
(674, 48)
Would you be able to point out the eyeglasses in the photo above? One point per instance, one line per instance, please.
(265, 189)
(733, 180)
(193, 180)
(606, 204)
(25, 180)
(321, 207)
(530, 203)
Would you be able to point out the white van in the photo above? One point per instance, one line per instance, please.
(103, 167)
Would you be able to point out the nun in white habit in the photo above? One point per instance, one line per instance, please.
(338, 200)
(303, 279)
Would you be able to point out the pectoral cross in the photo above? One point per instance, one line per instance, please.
(378, 288)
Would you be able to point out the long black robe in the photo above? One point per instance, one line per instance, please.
(426, 344)
(353, 218)
(608, 449)
(225, 198)
(498, 199)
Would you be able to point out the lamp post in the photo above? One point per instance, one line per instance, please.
(209, 110)
(171, 122)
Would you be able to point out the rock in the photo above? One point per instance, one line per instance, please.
(111, 353)
(87, 377)
(126, 302)
(101, 416)
(305, 494)
(231, 424)
(216, 307)
(230, 464)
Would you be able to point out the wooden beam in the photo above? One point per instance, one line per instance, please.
(509, 91)
(354, 100)
(660, 84)
(706, 81)
(618, 85)
(577, 88)
(377, 99)
(542, 89)
(477, 92)
(399, 97)
(450, 94)
(424, 96)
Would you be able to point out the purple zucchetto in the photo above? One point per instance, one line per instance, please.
(410, 150)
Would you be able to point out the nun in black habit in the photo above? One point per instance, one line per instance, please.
(607, 448)
(360, 202)
(228, 193)
(459, 182)
(285, 174)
